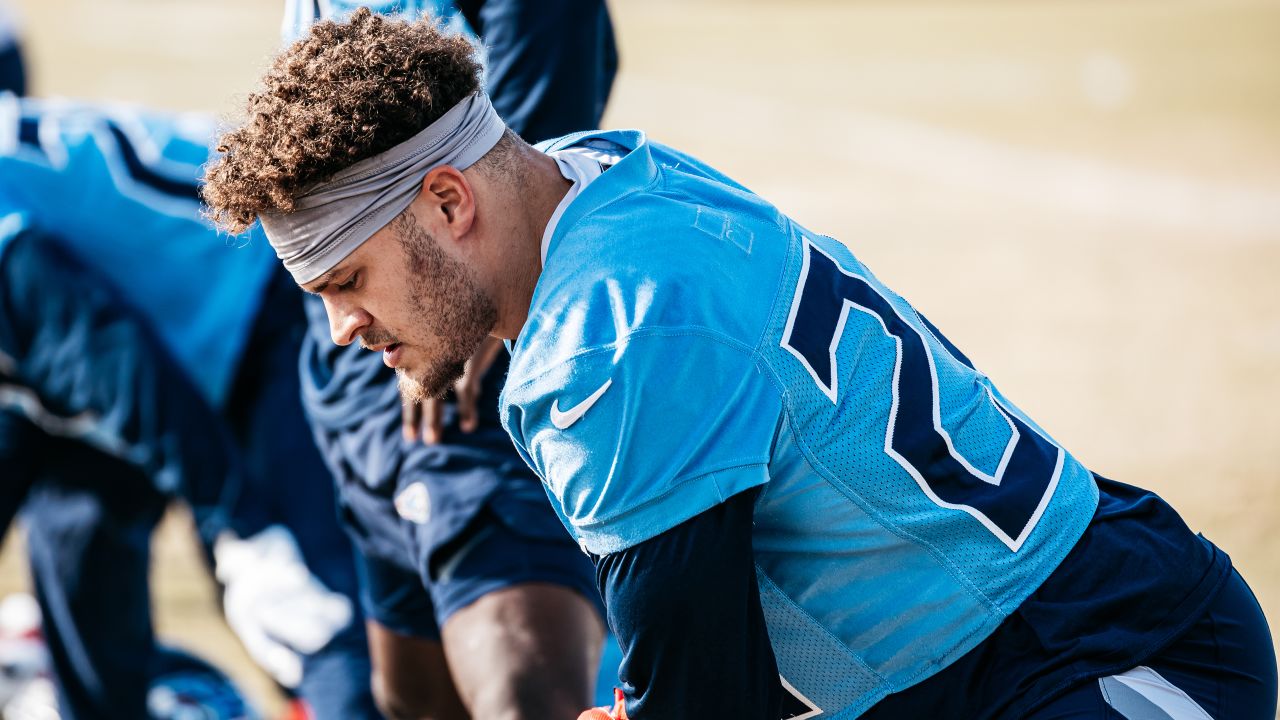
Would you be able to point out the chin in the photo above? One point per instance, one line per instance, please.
(429, 383)
(410, 389)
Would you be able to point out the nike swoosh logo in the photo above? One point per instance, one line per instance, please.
(567, 418)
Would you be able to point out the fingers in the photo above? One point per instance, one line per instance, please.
(484, 357)
(410, 419)
(429, 415)
(467, 392)
(278, 660)
(433, 421)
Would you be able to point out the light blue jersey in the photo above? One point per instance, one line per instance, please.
(119, 187)
(687, 342)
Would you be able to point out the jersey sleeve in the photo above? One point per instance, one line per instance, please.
(636, 437)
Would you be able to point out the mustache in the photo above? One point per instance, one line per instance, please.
(377, 337)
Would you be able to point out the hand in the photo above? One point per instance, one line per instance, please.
(428, 416)
(619, 711)
(278, 609)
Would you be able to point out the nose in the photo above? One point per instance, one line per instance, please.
(346, 321)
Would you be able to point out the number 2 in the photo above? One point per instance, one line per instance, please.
(1007, 502)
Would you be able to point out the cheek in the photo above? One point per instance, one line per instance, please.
(398, 308)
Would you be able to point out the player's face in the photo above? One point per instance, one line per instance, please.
(401, 294)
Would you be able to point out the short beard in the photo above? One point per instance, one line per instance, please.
(462, 315)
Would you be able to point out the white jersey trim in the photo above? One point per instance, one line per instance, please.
(580, 166)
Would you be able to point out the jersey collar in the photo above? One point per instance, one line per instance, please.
(635, 171)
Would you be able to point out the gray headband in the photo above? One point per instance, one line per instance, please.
(334, 217)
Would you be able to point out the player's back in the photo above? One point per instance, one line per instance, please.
(118, 186)
(907, 508)
(910, 507)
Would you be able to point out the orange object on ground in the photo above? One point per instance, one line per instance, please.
(297, 710)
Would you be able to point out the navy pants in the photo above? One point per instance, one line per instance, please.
(99, 428)
(89, 554)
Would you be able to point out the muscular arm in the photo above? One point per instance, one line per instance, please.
(686, 609)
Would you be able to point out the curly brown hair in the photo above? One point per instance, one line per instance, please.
(345, 92)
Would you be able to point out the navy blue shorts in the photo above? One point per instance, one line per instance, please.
(1138, 590)
(493, 553)
(1216, 669)
(436, 526)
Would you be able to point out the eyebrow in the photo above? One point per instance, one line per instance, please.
(324, 279)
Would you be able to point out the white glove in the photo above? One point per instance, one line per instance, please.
(279, 610)
(24, 657)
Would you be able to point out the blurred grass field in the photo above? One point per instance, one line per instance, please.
(1084, 195)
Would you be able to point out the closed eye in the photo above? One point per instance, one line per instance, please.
(350, 282)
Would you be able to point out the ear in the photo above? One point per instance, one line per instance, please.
(452, 198)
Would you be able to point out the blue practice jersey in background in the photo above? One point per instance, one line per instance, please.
(687, 342)
(300, 14)
(119, 187)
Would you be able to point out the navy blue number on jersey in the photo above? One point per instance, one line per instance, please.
(1007, 502)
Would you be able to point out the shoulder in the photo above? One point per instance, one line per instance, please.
(656, 246)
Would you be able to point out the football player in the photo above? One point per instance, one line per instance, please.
(145, 356)
(803, 501)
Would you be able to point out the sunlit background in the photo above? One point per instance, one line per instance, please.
(1085, 196)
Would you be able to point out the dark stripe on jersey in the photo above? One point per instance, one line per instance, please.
(145, 175)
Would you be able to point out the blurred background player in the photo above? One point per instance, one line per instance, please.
(182, 686)
(475, 594)
(142, 356)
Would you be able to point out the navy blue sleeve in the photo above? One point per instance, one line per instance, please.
(686, 610)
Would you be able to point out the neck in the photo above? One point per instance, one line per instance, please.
(537, 191)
